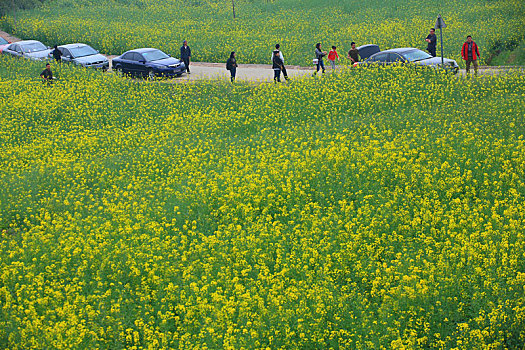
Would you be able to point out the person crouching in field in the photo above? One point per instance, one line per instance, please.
(47, 75)
(470, 53)
(231, 65)
(277, 66)
(332, 56)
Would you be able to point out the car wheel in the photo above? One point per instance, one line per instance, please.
(118, 71)
(151, 74)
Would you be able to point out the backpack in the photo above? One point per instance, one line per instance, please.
(229, 64)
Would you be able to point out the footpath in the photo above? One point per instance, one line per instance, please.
(264, 73)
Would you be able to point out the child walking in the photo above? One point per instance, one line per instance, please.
(332, 55)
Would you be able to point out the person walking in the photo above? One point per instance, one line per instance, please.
(319, 54)
(277, 66)
(332, 56)
(353, 53)
(278, 48)
(231, 65)
(57, 55)
(185, 55)
(432, 42)
(470, 53)
(47, 75)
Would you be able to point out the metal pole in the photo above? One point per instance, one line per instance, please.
(441, 38)
(233, 7)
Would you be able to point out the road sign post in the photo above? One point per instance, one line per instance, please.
(440, 23)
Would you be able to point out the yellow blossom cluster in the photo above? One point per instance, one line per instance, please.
(375, 208)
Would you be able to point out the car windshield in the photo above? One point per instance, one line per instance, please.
(154, 55)
(3, 41)
(33, 47)
(416, 55)
(82, 51)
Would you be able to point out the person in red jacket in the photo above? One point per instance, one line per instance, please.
(332, 56)
(470, 54)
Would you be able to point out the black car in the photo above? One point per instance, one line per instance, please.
(149, 63)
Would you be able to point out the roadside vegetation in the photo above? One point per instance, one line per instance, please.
(366, 209)
(118, 25)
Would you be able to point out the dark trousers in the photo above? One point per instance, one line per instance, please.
(432, 51)
(285, 74)
(277, 75)
(320, 64)
(187, 63)
(474, 63)
(233, 72)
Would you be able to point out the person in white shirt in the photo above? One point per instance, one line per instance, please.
(283, 69)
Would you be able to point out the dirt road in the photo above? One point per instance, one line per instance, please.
(245, 72)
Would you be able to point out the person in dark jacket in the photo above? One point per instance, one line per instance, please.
(353, 53)
(432, 42)
(231, 65)
(278, 48)
(470, 53)
(185, 55)
(57, 55)
(277, 66)
(319, 54)
(47, 75)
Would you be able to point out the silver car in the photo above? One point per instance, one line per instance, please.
(83, 55)
(31, 49)
(410, 55)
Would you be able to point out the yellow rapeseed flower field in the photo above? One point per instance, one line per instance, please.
(370, 209)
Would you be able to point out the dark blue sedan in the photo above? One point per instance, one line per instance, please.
(148, 63)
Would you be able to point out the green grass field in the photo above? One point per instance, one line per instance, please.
(116, 26)
(311, 215)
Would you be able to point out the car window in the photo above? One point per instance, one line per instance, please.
(137, 57)
(155, 55)
(17, 48)
(34, 47)
(3, 41)
(394, 57)
(83, 51)
(382, 57)
(127, 56)
(416, 55)
(65, 52)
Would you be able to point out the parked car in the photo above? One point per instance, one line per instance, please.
(409, 55)
(82, 55)
(31, 49)
(3, 43)
(149, 63)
